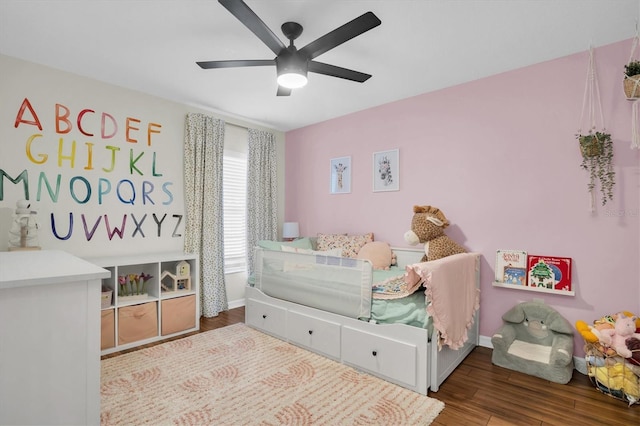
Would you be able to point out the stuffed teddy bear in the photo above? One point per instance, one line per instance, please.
(427, 226)
(624, 328)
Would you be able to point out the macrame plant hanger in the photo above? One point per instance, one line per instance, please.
(635, 108)
(592, 108)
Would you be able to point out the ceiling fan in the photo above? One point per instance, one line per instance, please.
(292, 64)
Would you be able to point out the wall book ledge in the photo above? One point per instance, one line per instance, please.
(49, 336)
(537, 289)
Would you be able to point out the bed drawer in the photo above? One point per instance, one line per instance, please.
(390, 358)
(314, 333)
(266, 317)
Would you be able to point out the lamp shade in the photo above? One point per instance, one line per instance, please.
(290, 230)
(292, 71)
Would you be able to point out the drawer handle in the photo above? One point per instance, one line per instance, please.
(310, 331)
(139, 315)
(374, 353)
(264, 316)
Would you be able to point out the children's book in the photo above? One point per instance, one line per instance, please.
(550, 272)
(511, 267)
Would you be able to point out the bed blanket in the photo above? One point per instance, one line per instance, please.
(450, 286)
(391, 288)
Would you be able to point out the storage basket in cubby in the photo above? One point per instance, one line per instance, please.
(613, 375)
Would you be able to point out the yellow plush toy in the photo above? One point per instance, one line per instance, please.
(618, 377)
(586, 331)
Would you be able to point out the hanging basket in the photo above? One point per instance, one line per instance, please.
(632, 86)
(590, 146)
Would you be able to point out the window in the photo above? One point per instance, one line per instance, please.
(234, 198)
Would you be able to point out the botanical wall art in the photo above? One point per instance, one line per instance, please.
(340, 175)
(386, 171)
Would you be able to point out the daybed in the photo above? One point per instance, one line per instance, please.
(333, 306)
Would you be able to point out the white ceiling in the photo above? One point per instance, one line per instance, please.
(422, 46)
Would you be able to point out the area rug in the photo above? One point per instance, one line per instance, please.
(238, 376)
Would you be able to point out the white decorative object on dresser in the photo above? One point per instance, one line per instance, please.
(155, 296)
(49, 337)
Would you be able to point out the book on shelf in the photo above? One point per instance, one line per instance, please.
(511, 267)
(550, 272)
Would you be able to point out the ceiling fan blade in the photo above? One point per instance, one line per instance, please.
(240, 10)
(351, 29)
(236, 63)
(283, 91)
(334, 71)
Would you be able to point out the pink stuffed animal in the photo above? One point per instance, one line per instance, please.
(616, 338)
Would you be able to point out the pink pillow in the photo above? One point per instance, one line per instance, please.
(378, 253)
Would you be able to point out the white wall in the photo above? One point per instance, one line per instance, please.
(119, 198)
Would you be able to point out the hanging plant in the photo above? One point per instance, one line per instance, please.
(632, 79)
(597, 159)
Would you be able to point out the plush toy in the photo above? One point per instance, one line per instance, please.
(427, 226)
(615, 338)
(619, 377)
(591, 333)
(633, 344)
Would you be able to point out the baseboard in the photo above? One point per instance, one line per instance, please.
(580, 365)
(485, 342)
(236, 303)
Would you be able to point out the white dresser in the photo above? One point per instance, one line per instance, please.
(49, 339)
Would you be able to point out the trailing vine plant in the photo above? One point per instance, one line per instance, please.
(597, 159)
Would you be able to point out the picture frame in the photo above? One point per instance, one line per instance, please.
(386, 170)
(340, 172)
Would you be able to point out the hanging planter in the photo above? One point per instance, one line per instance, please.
(591, 144)
(596, 147)
(597, 159)
(631, 80)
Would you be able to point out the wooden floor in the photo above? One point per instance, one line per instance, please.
(480, 393)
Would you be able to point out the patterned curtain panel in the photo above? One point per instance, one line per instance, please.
(204, 233)
(262, 185)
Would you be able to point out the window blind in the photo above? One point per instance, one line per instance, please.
(234, 197)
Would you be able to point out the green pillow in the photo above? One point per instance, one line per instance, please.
(304, 243)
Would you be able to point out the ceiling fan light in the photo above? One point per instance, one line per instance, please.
(292, 80)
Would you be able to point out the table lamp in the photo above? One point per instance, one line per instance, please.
(290, 231)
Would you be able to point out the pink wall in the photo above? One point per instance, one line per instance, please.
(498, 156)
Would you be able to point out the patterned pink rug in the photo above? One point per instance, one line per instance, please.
(239, 376)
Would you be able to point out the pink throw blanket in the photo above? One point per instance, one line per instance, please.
(450, 285)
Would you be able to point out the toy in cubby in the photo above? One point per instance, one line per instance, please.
(612, 355)
(180, 280)
(132, 284)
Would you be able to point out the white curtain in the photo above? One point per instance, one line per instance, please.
(262, 202)
(204, 232)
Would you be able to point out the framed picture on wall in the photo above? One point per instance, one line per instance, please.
(386, 171)
(340, 175)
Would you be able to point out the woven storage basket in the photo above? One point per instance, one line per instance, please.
(632, 86)
(105, 298)
(613, 375)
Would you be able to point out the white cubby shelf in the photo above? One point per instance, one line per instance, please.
(159, 314)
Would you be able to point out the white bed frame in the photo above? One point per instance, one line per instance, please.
(401, 354)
